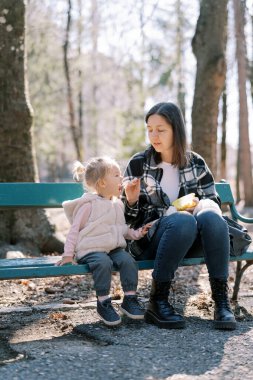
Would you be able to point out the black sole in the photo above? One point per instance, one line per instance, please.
(152, 319)
(229, 325)
(131, 316)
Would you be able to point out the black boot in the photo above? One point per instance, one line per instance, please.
(223, 316)
(160, 312)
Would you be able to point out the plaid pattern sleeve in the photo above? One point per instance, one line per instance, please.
(152, 200)
(196, 177)
(134, 169)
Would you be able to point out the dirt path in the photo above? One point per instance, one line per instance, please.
(49, 329)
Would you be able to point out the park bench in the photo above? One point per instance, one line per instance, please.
(51, 195)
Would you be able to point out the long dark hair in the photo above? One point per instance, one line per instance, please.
(173, 116)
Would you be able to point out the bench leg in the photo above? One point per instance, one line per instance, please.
(239, 272)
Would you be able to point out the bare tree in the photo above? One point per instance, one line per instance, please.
(75, 131)
(223, 148)
(179, 57)
(251, 60)
(29, 230)
(245, 172)
(93, 127)
(208, 45)
(80, 73)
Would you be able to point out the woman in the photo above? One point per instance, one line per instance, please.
(152, 181)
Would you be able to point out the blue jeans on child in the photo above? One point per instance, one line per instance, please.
(176, 234)
(101, 263)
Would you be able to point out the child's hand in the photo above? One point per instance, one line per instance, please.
(144, 229)
(132, 189)
(66, 260)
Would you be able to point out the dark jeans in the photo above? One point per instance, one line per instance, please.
(100, 264)
(176, 234)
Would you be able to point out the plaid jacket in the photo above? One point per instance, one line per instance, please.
(195, 177)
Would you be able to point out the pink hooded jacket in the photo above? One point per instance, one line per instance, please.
(97, 225)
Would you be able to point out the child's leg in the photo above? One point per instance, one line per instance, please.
(128, 269)
(129, 279)
(100, 265)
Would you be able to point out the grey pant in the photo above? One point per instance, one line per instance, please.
(101, 263)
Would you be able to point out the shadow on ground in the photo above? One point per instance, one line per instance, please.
(134, 350)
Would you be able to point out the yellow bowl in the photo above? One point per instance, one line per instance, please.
(184, 202)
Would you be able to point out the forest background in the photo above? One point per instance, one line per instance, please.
(123, 57)
(77, 76)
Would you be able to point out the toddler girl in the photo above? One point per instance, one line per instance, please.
(97, 237)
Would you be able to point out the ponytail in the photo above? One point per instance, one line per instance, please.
(78, 171)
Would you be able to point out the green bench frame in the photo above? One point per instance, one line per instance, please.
(51, 195)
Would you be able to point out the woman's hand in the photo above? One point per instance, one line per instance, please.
(207, 204)
(132, 190)
(66, 260)
(196, 201)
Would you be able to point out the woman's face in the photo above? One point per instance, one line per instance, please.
(160, 134)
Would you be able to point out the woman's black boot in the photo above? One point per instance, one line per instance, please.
(160, 312)
(223, 316)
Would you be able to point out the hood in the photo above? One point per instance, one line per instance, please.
(71, 207)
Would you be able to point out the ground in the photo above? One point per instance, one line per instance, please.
(49, 328)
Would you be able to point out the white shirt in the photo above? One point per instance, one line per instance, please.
(170, 180)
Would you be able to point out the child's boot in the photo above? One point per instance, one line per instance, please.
(131, 307)
(107, 313)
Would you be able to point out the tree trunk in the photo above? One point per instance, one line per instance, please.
(179, 59)
(80, 75)
(223, 171)
(75, 132)
(237, 179)
(92, 131)
(30, 230)
(244, 144)
(208, 45)
(251, 61)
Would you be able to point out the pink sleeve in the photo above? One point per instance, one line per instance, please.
(134, 234)
(79, 222)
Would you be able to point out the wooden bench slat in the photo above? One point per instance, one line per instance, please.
(225, 193)
(45, 195)
(42, 271)
(45, 266)
(18, 272)
(31, 261)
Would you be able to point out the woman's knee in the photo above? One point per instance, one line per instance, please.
(210, 216)
(181, 221)
(212, 221)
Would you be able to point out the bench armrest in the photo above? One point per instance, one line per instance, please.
(236, 215)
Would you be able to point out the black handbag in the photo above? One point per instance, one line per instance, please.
(239, 237)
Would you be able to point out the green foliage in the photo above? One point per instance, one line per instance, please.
(134, 140)
(118, 75)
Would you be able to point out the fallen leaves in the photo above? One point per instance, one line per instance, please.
(60, 319)
(57, 316)
(52, 290)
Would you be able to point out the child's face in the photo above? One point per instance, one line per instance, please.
(113, 183)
